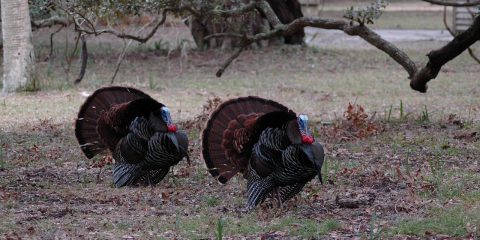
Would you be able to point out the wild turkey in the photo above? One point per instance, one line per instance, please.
(267, 142)
(137, 130)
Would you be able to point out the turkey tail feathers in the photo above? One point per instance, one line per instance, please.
(226, 132)
(96, 104)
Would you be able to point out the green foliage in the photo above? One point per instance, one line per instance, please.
(453, 222)
(212, 201)
(40, 9)
(2, 161)
(438, 174)
(425, 116)
(368, 14)
(109, 10)
(219, 233)
(388, 115)
(372, 226)
(402, 112)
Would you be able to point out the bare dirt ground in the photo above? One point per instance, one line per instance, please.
(399, 178)
(405, 166)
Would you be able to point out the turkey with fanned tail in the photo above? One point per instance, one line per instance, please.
(136, 129)
(265, 141)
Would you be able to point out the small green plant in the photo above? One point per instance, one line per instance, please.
(450, 222)
(219, 233)
(325, 171)
(161, 45)
(438, 173)
(425, 116)
(374, 233)
(152, 84)
(368, 14)
(388, 115)
(402, 113)
(212, 201)
(200, 173)
(177, 221)
(2, 161)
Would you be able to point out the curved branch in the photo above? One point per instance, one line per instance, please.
(265, 8)
(84, 58)
(236, 11)
(230, 59)
(50, 55)
(440, 57)
(360, 30)
(141, 39)
(418, 77)
(470, 50)
(49, 22)
(454, 4)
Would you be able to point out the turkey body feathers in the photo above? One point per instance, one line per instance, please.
(223, 156)
(146, 159)
(276, 164)
(271, 146)
(132, 126)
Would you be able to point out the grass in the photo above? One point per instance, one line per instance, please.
(422, 166)
(454, 222)
(194, 204)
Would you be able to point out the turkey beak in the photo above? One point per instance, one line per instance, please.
(179, 148)
(182, 141)
(315, 154)
(173, 138)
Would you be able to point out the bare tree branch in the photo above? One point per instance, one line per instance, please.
(230, 60)
(84, 59)
(49, 22)
(124, 51)
(470, 50)
(473, 55)
(418, 77)
(360, 30)
(50, 55)
(138, 38)
(265, 8)
(349, 28)
(454, 4)
(439, 57)
(236, 11)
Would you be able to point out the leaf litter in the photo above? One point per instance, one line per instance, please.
(376, 175)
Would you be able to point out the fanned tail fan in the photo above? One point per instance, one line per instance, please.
(228, 131)
(96, 104)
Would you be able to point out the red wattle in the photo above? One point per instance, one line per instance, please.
(172, 128)
(307, 139)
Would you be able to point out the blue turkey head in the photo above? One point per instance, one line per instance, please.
(307, 137)
(298, 131)
(165, 113)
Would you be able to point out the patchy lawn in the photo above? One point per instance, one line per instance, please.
(419, 178)
(410, 169)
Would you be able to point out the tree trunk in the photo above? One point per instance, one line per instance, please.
(18, 54)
